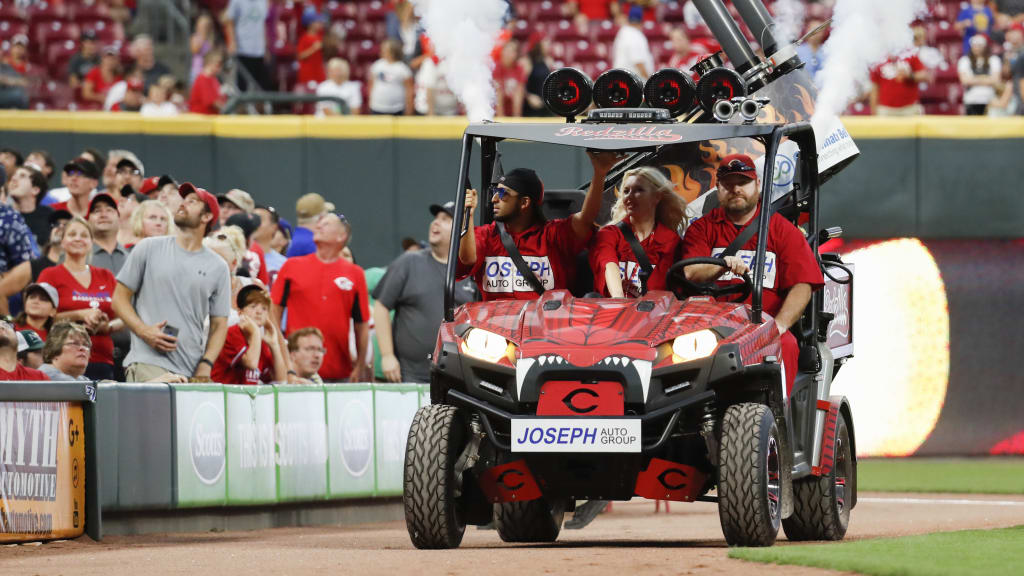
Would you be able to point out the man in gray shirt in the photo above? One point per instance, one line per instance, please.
(414, 288)
(107, 252)
(246, 35)
(177, 284)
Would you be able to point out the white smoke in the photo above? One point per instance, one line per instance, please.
(463, 33)
(789, 21)
(864, 33)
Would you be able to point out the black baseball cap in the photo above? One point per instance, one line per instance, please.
(85, 166)
(525, 182)
(58, 215)
(127, 163)
(448, 208)
(104, 198)
(249, 223)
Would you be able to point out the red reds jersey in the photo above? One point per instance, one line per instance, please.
(229, 369)
(325, 295)
(22, 374)
(662, 248)
(549, 249)
(892, 91)
(74, 296)
(788, 259)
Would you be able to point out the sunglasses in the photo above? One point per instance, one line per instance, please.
(501, 192)
(72, 173)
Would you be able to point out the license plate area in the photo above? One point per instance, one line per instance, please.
(576, 435)
(575, 398)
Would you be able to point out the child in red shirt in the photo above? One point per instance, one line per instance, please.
(310, 51)
(206, 97)
(253, 349)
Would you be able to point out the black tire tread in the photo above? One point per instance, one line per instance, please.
(428, 483)
(814, 515)
(741, 509)
(533, 521)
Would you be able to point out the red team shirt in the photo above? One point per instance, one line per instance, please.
(550, 250)
(509, 78)
(228, 369)
(22, 374)
(205, 95)
(74, 296)
(662, 248)
(788, 260)
(325, 295)
(40, 333)
(311, 68)
(897, 93)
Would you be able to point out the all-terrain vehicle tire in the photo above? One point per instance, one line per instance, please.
(533, 521)
(432, 512)
(821, 504)
(749, 476)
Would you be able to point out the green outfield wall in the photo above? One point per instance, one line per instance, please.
(927, 177)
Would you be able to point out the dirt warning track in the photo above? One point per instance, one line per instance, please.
(630, 540)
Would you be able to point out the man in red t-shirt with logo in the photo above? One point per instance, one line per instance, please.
(325, 291)
(549, 247)
(791, 272)
(895, 91)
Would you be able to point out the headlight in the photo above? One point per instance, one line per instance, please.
(694, 345)
(484, 345)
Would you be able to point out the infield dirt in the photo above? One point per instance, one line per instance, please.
(630, 540)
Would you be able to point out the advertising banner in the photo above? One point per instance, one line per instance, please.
(301, 441)
(42, 471)
(352, 470)
(252, 470)
(394, 408)
(200, 453)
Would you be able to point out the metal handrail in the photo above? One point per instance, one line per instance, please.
(242, 98)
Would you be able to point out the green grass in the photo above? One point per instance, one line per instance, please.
(981, 552)
(964, 475)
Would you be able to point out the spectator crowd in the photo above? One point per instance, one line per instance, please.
(119, 275)
(372, 56)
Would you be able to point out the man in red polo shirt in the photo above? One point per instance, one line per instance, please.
(324, 290)
(791, 272)
(549, 247)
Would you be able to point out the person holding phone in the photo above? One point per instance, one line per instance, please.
(176, 283)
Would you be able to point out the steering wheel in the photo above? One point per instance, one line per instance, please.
(683, 287)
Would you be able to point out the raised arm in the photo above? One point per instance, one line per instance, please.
(583, 221)
(467, 243)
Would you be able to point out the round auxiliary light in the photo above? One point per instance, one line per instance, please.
(618, 88)
(567, 92)
(670, 89)
(719, 84)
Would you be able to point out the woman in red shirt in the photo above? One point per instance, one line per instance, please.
(99, 80)
(649, 207)
(253, 349)
(84, 294)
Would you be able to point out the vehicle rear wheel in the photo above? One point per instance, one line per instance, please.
(821, 504)
(432, 513)
(533, 521)
(749, 476)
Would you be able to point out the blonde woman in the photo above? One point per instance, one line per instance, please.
(151, 219)
(228, 243)
(648, 209)
(84, 294)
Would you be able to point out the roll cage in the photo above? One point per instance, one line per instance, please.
(645, 141)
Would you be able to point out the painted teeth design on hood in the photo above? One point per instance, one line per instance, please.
(643, 369)
(625, 361)
(522, 367)
(543, 360)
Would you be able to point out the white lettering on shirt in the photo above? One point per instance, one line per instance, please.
(343, 283)
(502, 276)
(747, 256)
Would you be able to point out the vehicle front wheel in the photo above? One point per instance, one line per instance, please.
(821, 504)
(749, 476)
(432, 513)
(533, 521)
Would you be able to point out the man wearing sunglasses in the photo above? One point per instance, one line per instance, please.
(791, 272)
(82, 178)
(549, 247)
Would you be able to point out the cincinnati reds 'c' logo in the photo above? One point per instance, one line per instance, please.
(571, 404)
(502, 479)
(675, 484)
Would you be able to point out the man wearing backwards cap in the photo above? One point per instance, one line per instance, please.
(549, 247)
(791, 271)
(177, 283)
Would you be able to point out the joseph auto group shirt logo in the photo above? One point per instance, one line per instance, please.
(501, 274)
(770, 269)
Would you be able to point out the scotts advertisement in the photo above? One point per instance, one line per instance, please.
(199, 420)
(351, 440)
(301, 438)
(42, 471)
(251, 457)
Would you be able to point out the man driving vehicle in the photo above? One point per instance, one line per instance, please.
(791, 271)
